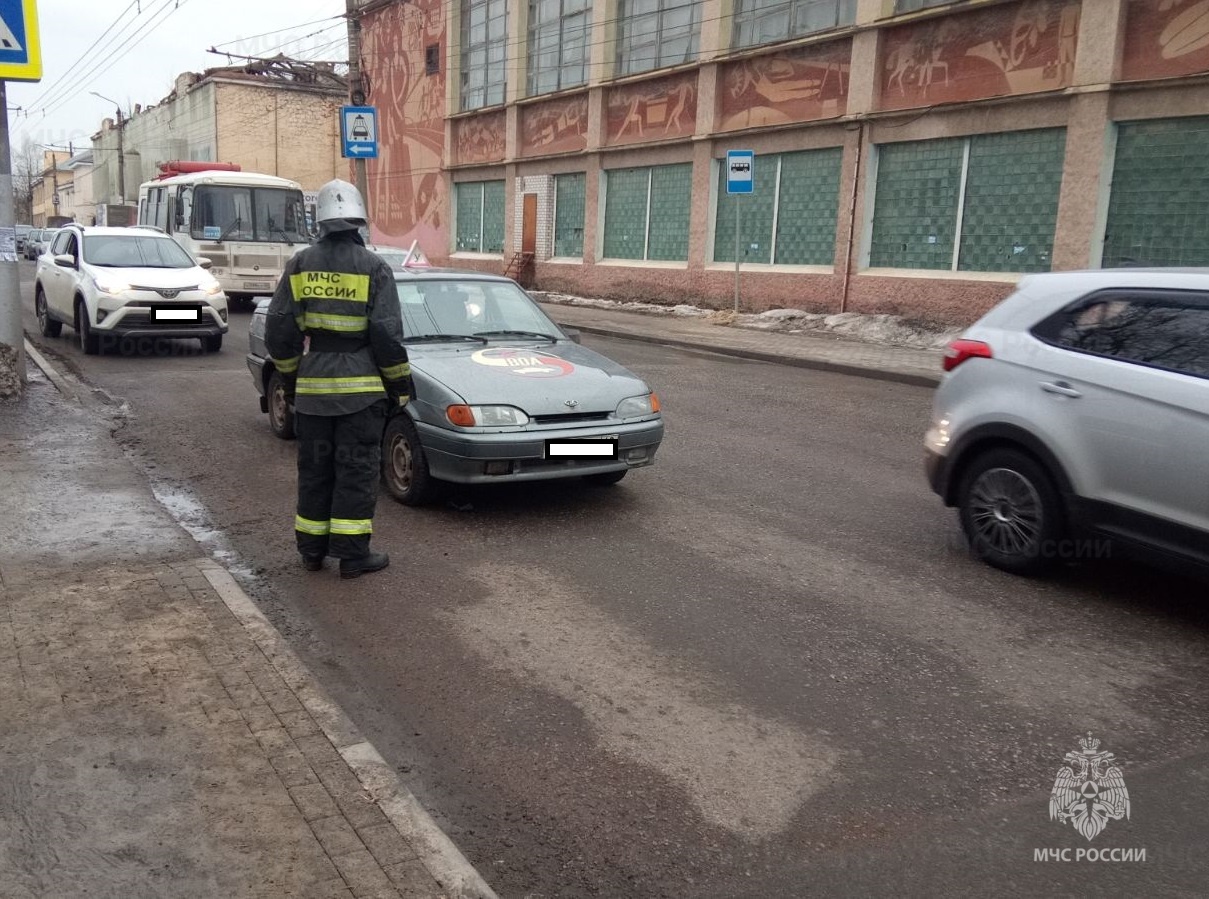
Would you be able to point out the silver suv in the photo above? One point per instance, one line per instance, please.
(1073, 421)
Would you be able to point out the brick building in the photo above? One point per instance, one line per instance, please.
(272, 119)
(912, 156)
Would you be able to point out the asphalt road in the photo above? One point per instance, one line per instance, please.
(764, 667)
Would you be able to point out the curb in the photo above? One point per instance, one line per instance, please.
(443, 860)
(878, 374)
(54, 377)
(436, 851)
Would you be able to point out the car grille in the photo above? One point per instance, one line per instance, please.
(166, 292)
(570, 418)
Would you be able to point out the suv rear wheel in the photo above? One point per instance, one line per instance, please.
(1010, 512)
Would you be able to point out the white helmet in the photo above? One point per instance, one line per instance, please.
(339, 200)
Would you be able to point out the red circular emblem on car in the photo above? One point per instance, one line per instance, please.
(525, 362)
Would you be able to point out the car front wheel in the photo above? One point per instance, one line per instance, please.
(404, 467)
(89, 342)
(281, 416)
(1011, 513)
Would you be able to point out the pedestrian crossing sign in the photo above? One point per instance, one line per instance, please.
(20, 49)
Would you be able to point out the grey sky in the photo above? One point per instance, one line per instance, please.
(151, 43)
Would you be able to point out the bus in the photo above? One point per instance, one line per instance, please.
(247, 224)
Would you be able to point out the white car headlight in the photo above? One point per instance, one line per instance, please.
(486, 416)
(113, 288)
(637, 406)
(212, 289)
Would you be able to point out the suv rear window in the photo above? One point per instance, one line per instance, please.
(1159, 329)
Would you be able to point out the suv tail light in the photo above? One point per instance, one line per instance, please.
(958, 351)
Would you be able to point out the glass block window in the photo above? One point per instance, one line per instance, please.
(569, 215)
(479, 207)
(647, 212)
(790, 217)
(558, 44)
(652, 34)
(1158, 210)
(985, 203)
(913, 5)
(1011, 201)
(764, 21)
(484, 52)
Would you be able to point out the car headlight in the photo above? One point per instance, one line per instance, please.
(486, 416)
(212, 290)
(637, 406)
(113, 288)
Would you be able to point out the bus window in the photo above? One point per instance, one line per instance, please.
(223, 213)
(280, 215)
(160, 218)
(184, 209)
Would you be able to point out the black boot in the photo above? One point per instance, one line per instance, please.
(365, 565)
(312, 563)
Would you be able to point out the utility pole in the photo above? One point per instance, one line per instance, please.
(12, 334)
(356, 95)
(121, 162)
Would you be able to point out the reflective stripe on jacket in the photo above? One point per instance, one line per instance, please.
(341, 298)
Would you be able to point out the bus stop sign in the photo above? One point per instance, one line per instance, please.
(740, 171)
(359, 132)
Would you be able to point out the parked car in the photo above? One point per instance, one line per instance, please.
(1073, 421)
(22, 233)
(502, 394)
(126, 283)
(33, 242)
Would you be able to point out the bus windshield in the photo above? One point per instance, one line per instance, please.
(272, 214)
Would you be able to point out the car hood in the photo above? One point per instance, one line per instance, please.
(540, 378)
(172, 278)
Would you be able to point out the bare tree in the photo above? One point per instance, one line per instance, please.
(27, 169)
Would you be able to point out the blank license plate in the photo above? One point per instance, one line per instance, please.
(257, 285)
(597, 448)
(160, 314)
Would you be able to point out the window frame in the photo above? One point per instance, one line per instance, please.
(583, 180)
(494, 75)
(534, 70)
(624, 57)
(458, 186)
(794, 9)
(1151, 296)
(954, 266)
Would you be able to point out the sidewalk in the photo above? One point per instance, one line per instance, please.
(807, 350)
(160, 738)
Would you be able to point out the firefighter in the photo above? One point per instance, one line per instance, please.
(335, 333)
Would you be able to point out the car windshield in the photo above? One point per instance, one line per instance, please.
(135, 251)
(456, 309)
(268, 214)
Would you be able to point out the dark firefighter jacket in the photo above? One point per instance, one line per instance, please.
(338, 300)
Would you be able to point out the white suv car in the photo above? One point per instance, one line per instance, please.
(111, 284)
(1073, 421)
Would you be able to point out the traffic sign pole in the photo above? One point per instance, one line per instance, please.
(12, 334)
(740, 179)
(737, 254)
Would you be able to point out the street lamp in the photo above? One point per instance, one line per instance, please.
(121, 154)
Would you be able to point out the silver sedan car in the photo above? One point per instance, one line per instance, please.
(502, 394)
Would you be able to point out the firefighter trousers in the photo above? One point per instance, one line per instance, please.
(339, 459)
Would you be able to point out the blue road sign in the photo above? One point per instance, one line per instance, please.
(740, 171)
(359, 132)
(20, 49)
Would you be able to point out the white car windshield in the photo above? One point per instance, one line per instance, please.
(463, 309)
(123, 251)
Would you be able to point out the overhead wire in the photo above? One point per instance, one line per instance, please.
(54, 86)
(149, 27)
(67, 91)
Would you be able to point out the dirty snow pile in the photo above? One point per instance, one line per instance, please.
(891, 330)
